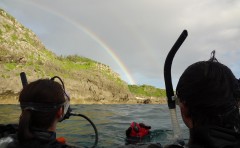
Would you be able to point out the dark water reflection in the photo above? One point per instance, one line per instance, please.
(111, 122)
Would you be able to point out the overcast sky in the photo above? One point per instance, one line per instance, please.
(133, 37)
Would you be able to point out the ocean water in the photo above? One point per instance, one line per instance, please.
(111, 122)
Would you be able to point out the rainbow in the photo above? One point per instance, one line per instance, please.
(93, 36)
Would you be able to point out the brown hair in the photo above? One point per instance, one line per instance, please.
(43, 91)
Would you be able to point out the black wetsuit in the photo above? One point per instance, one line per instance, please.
(212, 137)
(42, 139)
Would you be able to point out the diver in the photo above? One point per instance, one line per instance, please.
(137, 132)
(208, 95)
(43, 103)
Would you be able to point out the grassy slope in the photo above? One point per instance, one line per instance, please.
(147, 91)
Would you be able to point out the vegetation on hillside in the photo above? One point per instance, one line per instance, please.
(147, 91)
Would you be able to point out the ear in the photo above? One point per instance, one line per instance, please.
(185, 115)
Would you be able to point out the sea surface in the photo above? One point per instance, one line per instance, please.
(111, 122)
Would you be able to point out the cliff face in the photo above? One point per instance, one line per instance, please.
(86, 81)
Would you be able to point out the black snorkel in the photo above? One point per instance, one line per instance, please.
(23, 79)
(168, 84)
(48, 107)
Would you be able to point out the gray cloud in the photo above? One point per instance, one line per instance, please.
(140, 32)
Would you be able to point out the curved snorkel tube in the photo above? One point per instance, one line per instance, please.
(168, 84)
(68, 112)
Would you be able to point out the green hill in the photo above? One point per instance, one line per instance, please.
(86, 80)
(148, 92)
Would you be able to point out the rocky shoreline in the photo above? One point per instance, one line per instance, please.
(13, 99)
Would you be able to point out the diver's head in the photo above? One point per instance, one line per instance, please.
(208, 93)
(42, 104)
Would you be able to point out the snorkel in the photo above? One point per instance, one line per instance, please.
(169, 88)
(44, 107)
